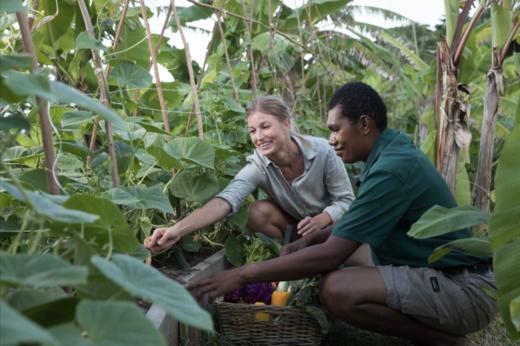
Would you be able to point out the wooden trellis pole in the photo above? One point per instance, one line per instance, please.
(115, 44)
(153, 53)
(196, 102)
(43, 111)
(103, 92)
(249, 29)
(226, 54)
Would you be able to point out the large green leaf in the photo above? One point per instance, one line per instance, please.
(131, 75)
(195, 188)
(111, 227)
(84, 41)
(151, 285)
(36, 84)
(192, 149)
(108, 323)
(67, 94)
(505, 230)
(10, 6)
(39, 271)
(28, 83)
(75, 118)
(234, 252)
(14, 121)
(141, 197)
(16, 329)
(44, 205)
(474, 246)
(27, 297)
(439, 220)
(15, 61)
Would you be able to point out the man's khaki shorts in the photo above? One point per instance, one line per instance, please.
(454, 304)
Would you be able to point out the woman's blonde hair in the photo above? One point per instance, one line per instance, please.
(271, 105)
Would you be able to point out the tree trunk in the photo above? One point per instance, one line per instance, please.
(453, 120)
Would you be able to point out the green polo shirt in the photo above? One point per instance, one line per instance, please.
(398, 185)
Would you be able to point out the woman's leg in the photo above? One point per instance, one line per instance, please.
(267, 218)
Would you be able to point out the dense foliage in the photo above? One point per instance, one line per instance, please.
(95, 152)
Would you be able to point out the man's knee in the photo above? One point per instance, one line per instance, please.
(334, 296)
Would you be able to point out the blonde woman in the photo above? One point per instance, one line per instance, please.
(306, 182)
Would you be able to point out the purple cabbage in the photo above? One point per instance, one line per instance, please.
(251, 293)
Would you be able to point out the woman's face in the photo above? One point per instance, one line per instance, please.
(268, 134)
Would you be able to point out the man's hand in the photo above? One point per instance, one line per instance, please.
(310, 224)
(294, 246)
(217, 285)
(162, 238)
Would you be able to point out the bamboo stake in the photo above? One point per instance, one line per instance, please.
(103, 93)
(249, 29)
(196, 102)
(153, 53)
(228, 63)
(43, 111)
(115, 44)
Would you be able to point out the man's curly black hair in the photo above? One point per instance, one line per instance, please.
(357, 99)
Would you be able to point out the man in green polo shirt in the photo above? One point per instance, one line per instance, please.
(401, 294)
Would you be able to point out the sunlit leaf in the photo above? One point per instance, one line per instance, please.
(473, 246)
(193, 150)
(439, 220)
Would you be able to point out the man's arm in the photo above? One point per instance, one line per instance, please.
(321, 258)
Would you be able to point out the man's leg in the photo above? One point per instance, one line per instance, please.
(267, 218)
(362, 294)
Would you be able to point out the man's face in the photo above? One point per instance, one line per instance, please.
(348, 140)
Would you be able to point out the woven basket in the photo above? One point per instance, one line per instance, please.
(287, 325)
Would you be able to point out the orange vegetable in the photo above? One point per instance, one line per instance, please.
(262, 316)
(280, 298)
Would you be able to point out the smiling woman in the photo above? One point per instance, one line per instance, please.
(306, 183)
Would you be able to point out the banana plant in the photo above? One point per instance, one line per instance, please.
(503, 241)
(505, 22)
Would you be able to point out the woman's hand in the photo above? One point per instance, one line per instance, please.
(310, 224)
(162, 238)
(217, 285)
